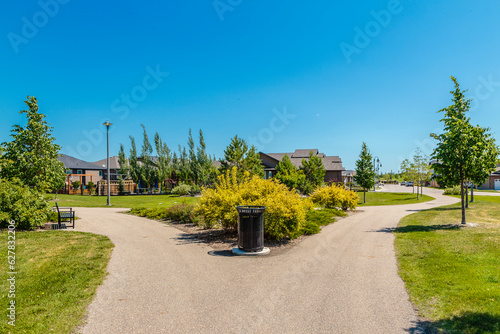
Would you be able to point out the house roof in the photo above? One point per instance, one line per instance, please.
(113, 163)
(331, 163)
(74, 163)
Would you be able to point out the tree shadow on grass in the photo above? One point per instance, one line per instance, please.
(467, 323)
(420, 228)
(435, 209)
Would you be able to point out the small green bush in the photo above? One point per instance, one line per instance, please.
(182, 213)
(91, 187)
(76, 185)
(27, 207)
(452, 191)
(195, 189)
(181, 190)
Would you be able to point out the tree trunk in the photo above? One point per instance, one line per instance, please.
(417, 192)
(364, 195)
(472, 194)
(462, 201)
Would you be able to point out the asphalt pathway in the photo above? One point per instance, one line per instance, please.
(343, 280)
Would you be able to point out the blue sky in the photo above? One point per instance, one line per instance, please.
(324, 75)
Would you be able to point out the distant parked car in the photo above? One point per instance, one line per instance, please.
(403, 183)
(409, 184)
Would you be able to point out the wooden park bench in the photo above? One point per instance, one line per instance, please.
(65, 213)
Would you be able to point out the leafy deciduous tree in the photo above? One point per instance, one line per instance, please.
(463, 152)
(32, 154)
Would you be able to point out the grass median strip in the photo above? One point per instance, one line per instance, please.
(57, 275)
(383, 198)
(452, 272)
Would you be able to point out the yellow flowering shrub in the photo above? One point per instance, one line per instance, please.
(335, 196)
(285, 210)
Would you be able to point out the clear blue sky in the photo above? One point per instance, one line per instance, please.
(346, 71)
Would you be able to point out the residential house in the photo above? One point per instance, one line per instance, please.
(114, 167)
(332, 164)
(348, 176)
(493, 181)
(79, 170)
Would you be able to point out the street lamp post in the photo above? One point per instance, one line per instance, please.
(108, 124)
(376, 167)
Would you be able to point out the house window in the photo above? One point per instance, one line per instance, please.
(100, 173)
(68, 171)
(79, 171)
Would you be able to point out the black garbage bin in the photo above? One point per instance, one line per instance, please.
(251, 228)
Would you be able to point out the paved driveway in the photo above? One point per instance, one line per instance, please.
(343, 280)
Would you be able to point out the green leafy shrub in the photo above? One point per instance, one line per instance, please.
(91, 187)
(181, 190)
(452, 191)
(195, 189)
(76, 185)
(285, 210)
(182, 213)
(317, 218)
(27, 207)
(335, 196)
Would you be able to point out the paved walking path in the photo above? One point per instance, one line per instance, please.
(343, 280)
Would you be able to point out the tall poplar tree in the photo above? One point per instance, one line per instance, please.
(365, 173)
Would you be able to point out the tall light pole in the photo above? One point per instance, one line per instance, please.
(108, 124)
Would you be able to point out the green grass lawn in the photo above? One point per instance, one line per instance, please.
(382, 198)
(144, 201)
(452, 273)
(57, 275)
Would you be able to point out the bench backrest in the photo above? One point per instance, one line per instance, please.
(57, 207)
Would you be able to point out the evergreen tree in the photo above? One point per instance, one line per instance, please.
(289, 175)
(313, 170)
(365, 173)
(32, 154)
(237, 154)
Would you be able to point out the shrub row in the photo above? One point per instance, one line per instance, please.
(186, 189)
(452, 191)
(182, 213)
